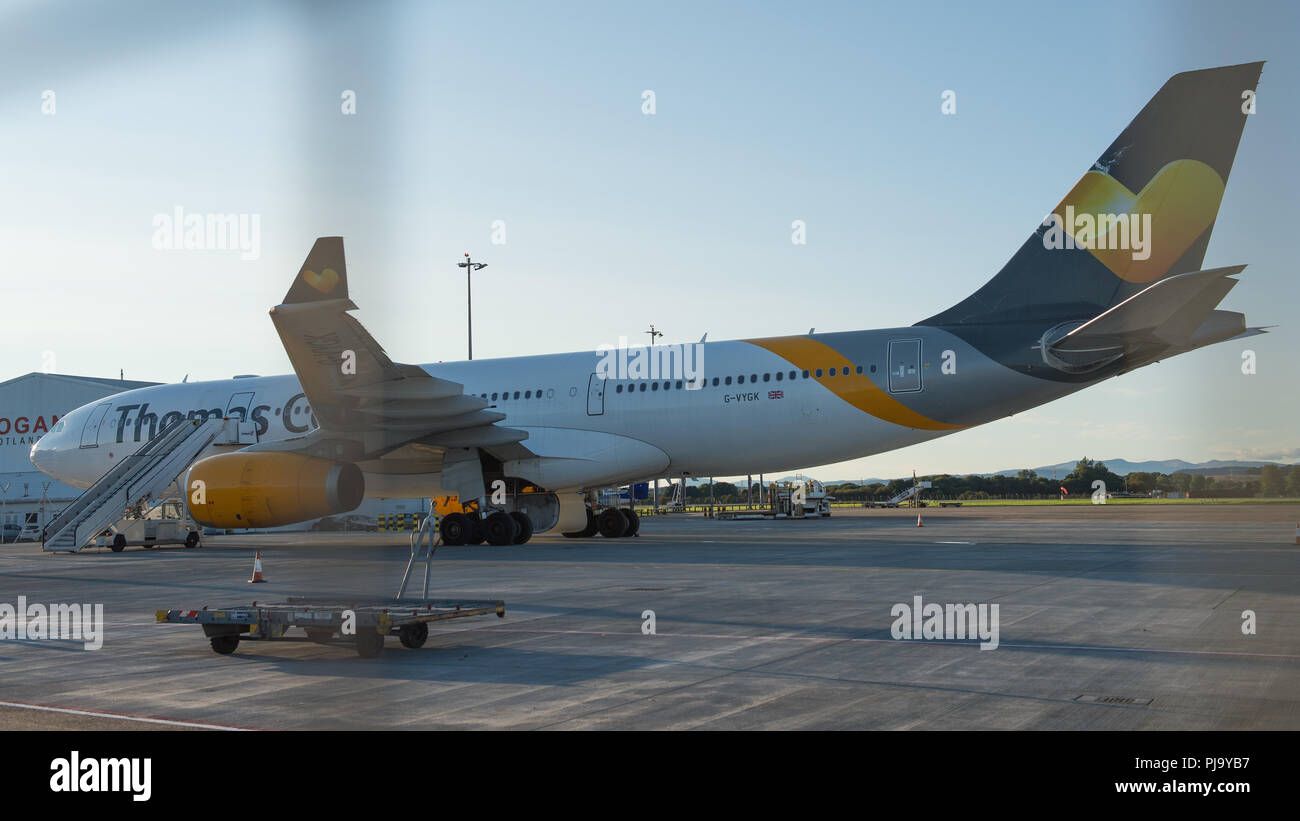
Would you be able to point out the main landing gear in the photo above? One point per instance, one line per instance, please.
(612, 522)
(497, 528)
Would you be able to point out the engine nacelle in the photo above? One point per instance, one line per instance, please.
(270, 489)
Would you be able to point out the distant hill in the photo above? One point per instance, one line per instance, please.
(1123, 467)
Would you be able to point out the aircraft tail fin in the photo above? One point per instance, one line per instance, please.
(324, 274)
(1143, 212)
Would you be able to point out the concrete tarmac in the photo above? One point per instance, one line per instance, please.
(1110, 617)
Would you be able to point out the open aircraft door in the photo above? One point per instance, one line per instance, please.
(240, 407)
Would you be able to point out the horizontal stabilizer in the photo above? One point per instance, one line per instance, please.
(1252, 332)
(1169, 311)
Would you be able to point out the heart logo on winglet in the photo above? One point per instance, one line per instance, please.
(324, 281)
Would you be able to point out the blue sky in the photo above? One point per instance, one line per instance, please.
(531, 114)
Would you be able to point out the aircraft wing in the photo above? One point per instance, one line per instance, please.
(365, 404)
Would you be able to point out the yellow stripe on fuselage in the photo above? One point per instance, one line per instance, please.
(806, 353)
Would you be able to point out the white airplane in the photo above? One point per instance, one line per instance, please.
(1074, 306)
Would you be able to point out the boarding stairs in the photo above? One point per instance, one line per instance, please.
(145, 474)
(908, 493)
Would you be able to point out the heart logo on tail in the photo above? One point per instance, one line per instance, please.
(1182, 199)
(324, 281)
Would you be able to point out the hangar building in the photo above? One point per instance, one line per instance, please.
(29, 406)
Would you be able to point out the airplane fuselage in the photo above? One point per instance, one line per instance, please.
(763, 405)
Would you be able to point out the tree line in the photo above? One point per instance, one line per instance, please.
(1269, 481)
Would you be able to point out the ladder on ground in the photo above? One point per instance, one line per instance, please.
(424, 543)
(144, 474)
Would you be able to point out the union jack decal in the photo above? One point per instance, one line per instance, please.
(776, 394)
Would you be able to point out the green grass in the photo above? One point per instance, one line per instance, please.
(1088, 501)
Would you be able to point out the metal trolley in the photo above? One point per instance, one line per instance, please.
(323, 621)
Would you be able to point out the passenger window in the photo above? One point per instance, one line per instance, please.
(654, 386)
(667, 385)
(740, 380)
(819, 373)
(679, 384)
(832, 373)
(873, 368)
(494, 397)
(805, 374)
(642, 387)
(516, 394)
(728, 380)
(715, 381)
(859, 369)
(618, 388)
(780, 375)
(753, 377)
(767, 377)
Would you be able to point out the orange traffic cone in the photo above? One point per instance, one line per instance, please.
(918, 519)
(257, 569)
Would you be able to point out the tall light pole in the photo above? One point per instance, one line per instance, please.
(470, 267)
(653, 334)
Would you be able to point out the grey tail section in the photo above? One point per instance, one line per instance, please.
(323, 276)
(1179, 150)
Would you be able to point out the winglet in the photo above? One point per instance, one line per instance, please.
(324, 275)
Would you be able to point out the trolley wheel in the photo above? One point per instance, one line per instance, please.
(633, 522)
(525, 524)
(455, 529)
(369, 643)
(192, 540)
(476, 529)
(611, 522)
(589, 530)
(225, 645)
(119, 542)
(320, 635)
(413, 635)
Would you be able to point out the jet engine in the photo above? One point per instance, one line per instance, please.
(270, 489)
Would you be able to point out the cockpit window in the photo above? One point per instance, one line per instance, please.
(58, 428)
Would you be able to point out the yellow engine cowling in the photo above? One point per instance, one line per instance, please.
(270, 489)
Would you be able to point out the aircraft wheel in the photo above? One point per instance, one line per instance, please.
(192, 539)
(413, 635)
(225, 645)
(500, 528)
(455, 529)
(369, 643)
(119, 542)
(589, 530)
(525, 524)
(633, 522)
(611, 523)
